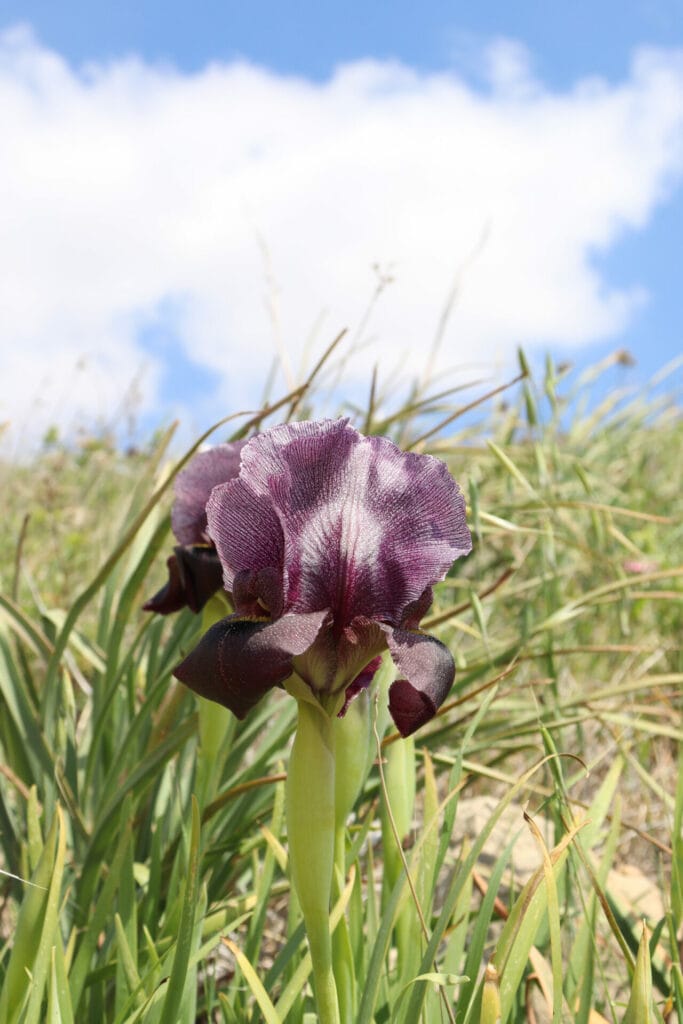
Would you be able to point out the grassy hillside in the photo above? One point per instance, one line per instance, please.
(566, 624)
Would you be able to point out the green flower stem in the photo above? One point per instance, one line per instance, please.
(342, 953)
(353, 761)
(311, 836)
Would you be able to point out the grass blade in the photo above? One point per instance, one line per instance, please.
(178, 977)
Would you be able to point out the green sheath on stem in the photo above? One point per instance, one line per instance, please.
(353, 761)
(311, 831)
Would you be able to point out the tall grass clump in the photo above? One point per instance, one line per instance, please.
(521, 860)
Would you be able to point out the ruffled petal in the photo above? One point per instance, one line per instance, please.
(194, 484)
(427, 672)
(359, 526)
(248, 537)
(194, 575)
(238, 660)
(414, 612)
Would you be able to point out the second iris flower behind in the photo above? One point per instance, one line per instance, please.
(330, 543)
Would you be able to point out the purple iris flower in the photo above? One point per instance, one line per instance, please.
(194, 570)
(330, 543)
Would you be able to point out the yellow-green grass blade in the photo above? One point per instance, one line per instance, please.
(640, 1008)
(102, 913)
(49, 929)
(59, 1010)
(512, 950)
(36, 907)
(178, 977)
(270, 1014)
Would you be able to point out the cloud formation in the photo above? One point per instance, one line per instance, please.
(220, 214)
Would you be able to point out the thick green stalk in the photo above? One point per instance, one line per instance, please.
(342, 952)
(311, 834)
(353, 761)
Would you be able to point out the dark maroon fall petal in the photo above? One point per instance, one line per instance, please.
(238, 660)
(426, 670)
(194, 575)
(202, 572)
(171, 597)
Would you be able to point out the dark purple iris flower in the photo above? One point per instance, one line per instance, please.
(194, 570)
(330, 543)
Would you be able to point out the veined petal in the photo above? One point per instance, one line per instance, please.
(248, 538)
(258, 591)
(427, 671)
(416, 610)
(194, 484)
(364, 528)
(238, 660)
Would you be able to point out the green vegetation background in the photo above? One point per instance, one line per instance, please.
(124, 899)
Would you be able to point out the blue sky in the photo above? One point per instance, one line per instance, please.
(568, 39)
(159, 154)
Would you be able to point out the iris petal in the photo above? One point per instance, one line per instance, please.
(256, 591)
(194, 484)
(194, 570)
(415, 610)
(246, 531)
(360, 683)
(171, 597)
(358, 525)
(347, 534)
(427, 670)
(194, 575)
(238, 660)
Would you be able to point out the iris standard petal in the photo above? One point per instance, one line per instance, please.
(361, 527)
(413, 613)
(248, 536)
(238, 660)
(426, 670)
(194, 484)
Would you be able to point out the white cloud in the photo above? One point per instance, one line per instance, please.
(126, 186)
